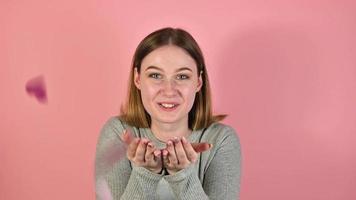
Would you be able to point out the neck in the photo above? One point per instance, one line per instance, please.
(167, 131)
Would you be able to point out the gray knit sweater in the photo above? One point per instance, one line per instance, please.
(215, 175)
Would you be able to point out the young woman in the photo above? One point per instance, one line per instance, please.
(166, 144)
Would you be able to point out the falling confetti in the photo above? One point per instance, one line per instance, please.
(103, 190)
(36, 87)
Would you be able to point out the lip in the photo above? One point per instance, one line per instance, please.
(167, 102)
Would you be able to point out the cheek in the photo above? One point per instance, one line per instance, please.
(189, 94)
(146, 97)
(148, 92)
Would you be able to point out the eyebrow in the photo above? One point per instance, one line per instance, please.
(159, 69)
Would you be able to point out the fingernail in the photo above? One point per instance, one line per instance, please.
(122, 136)
(144, 140)
(150, 144)
(157, 153)
(165, 152)
(184, 140)
(210, 146)
(176, 140)
(169, 143)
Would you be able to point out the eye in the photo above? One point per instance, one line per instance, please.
(182, 77)
(155, 75)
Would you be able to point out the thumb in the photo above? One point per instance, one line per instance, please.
(200, 147)
(126, 136)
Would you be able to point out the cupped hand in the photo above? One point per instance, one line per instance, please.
(142, 152)
(180, 154)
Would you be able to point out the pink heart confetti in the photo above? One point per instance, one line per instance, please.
(36, 87)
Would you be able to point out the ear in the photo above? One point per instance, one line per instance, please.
(200, 82)
(137, 80)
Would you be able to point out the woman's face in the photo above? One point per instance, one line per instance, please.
(168, 82)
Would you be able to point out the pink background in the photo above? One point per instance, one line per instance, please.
(284, 71)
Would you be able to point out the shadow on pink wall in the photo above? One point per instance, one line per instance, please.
(294, 123)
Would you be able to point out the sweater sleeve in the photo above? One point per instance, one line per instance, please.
(186, 184)
(114, 177)
(221, 178)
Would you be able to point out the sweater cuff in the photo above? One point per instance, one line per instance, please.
(180, 175)
(147, 175)
(142, 184)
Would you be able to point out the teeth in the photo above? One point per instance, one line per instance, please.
(166, 105)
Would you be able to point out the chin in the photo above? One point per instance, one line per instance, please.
(168, 120)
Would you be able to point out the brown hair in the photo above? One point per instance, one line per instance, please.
(200, 116)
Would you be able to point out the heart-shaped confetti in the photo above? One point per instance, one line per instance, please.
(36, 87)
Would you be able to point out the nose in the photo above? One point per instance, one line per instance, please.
(169, 88)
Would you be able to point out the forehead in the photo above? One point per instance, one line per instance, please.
(169, 58)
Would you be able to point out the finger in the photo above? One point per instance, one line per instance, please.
(131, 149)
(165, 158)
(140, 151)
(200, 147)
(158, 155)
(149, 156)
(189, 150)
(180, 152)
(159, 159)
(171, 153)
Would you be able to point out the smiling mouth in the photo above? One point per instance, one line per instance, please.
(168, 106)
